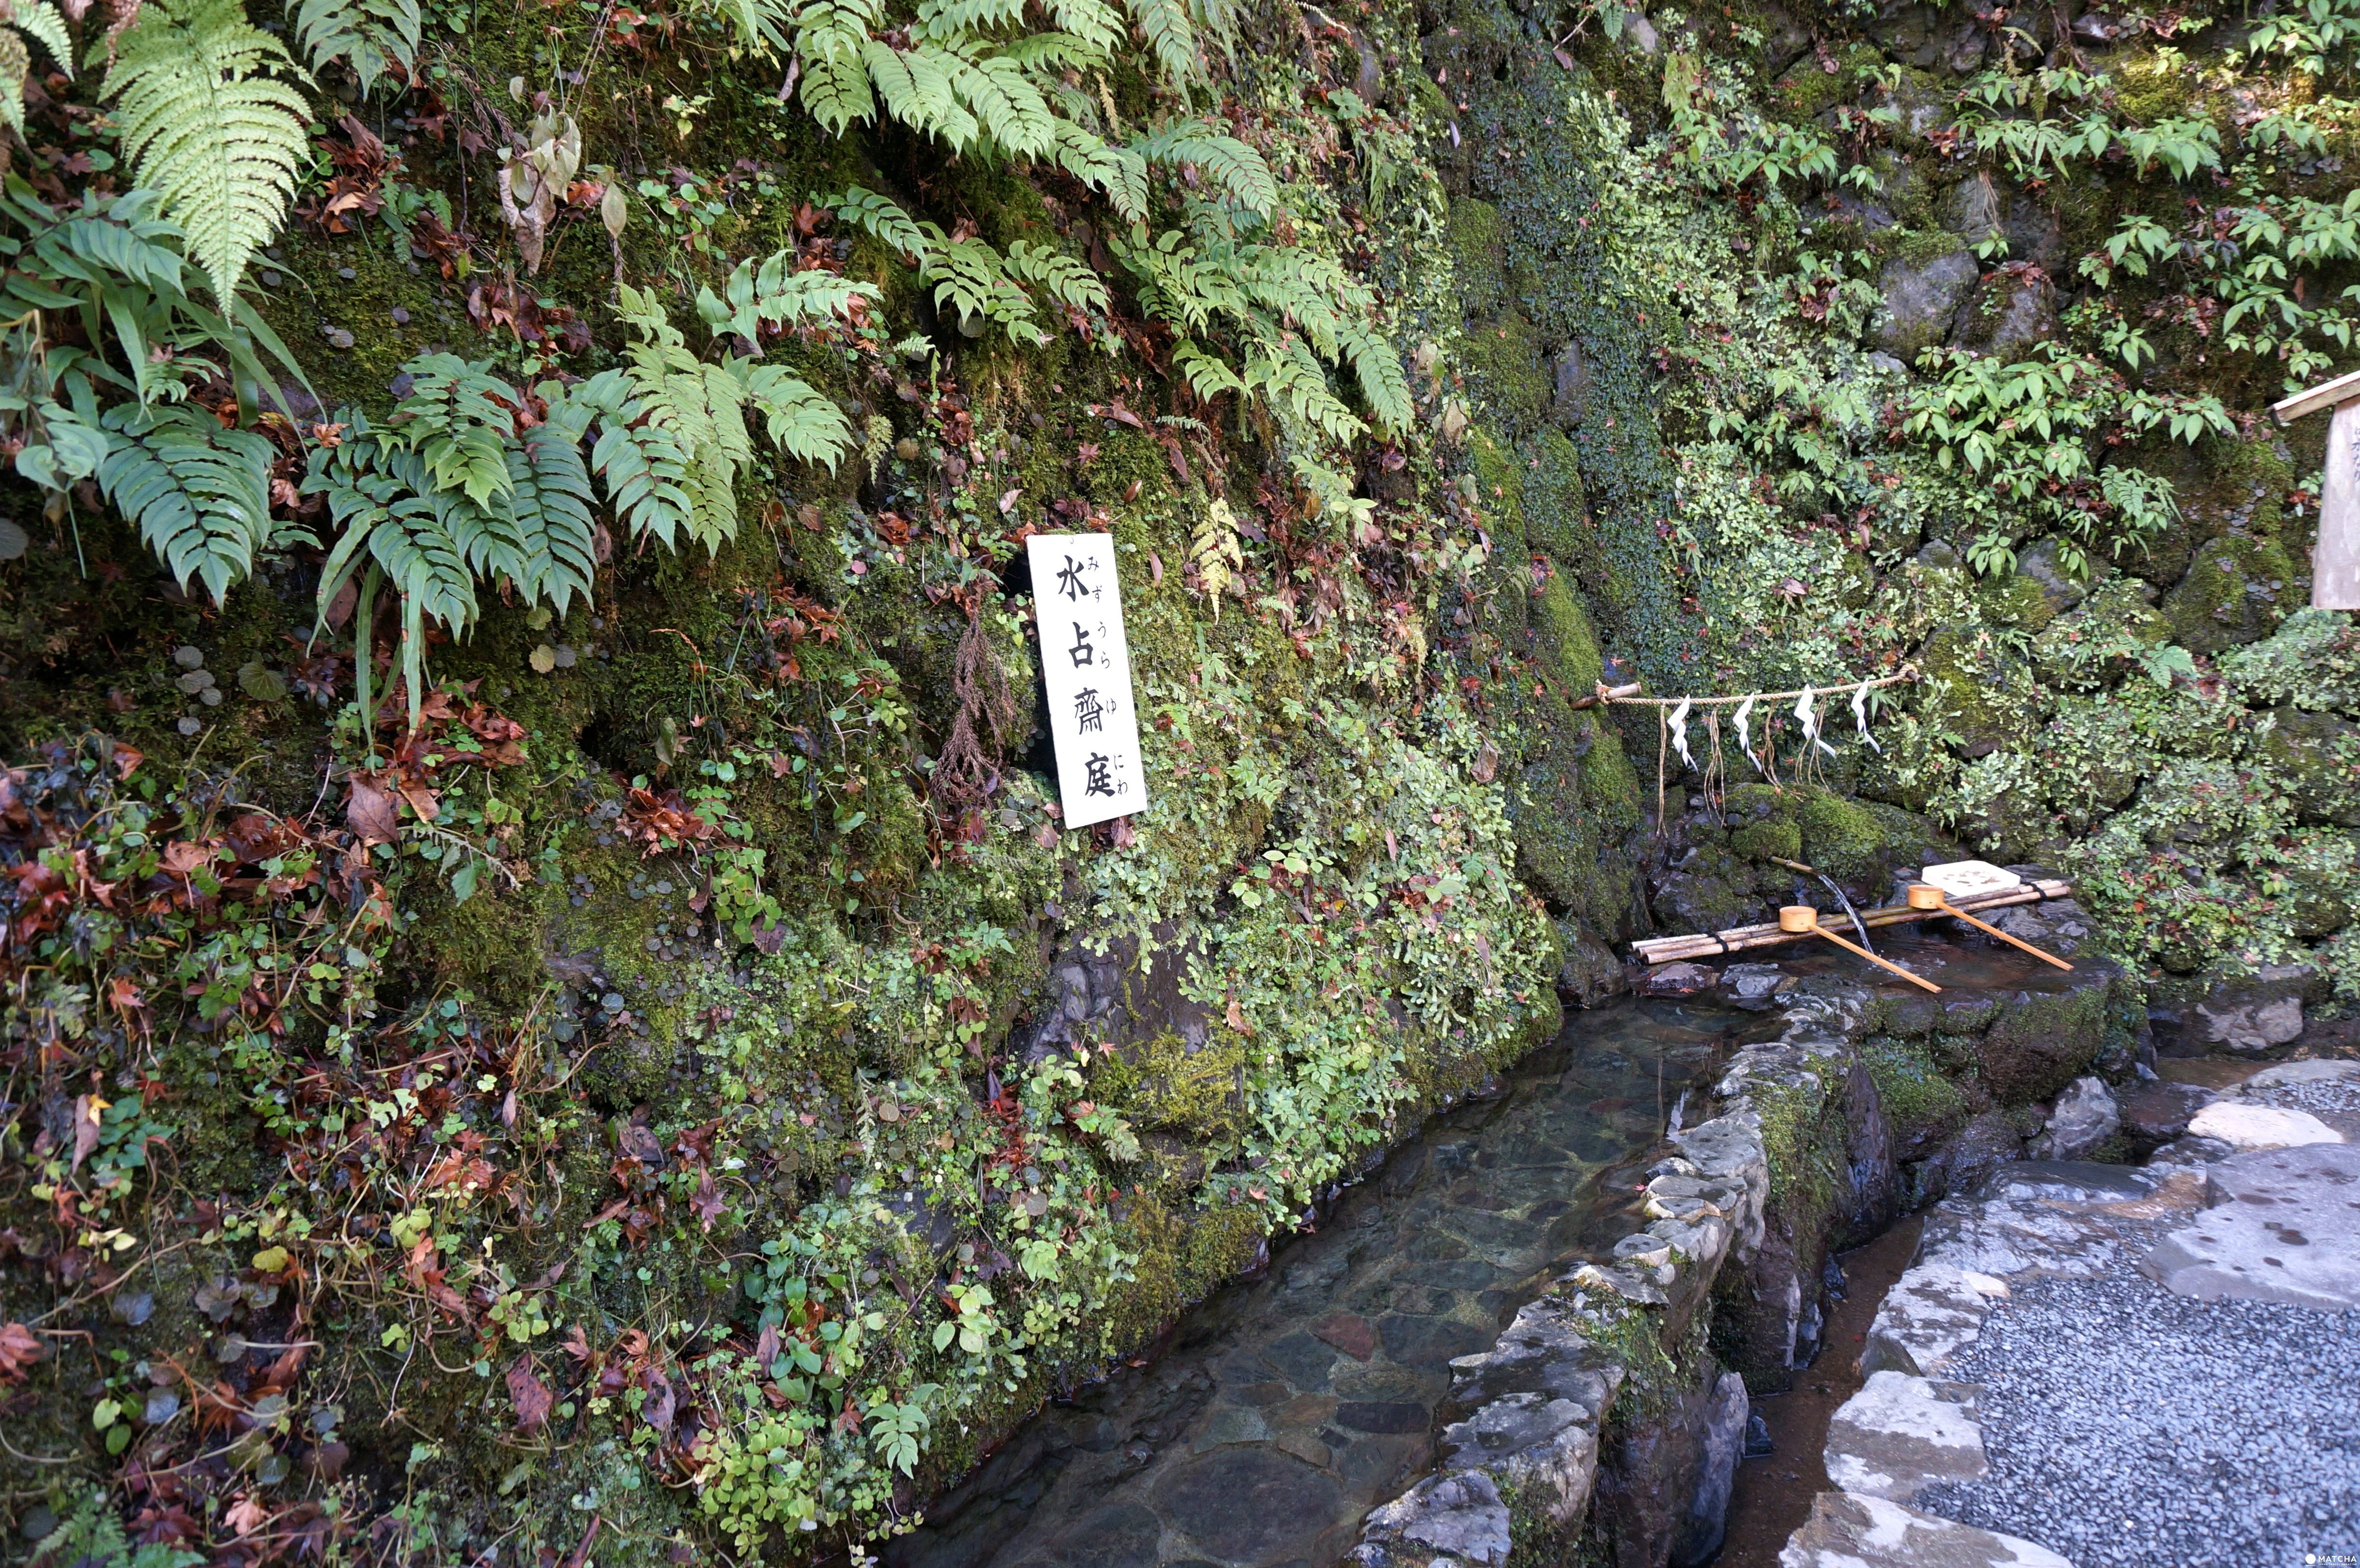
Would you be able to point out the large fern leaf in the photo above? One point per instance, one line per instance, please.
(1238, 169)
(367, 34)
(1170, 33)
(640, 465)
(1062, 279)
(776, 295)
(916, 85)
(866, 209)
(200, 493)
(1008, 108)
(36, 19)
(206, 126)
(1119, 173)
(458, 418)
(1376, 363)
(830, 36)
(1094, 22)
(799, 419)
(549, 496)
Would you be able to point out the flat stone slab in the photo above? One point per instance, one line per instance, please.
(1900, 1434)
(1933, 1311)
(2260, 1126)
(2284, 1226)
(1847, 1529)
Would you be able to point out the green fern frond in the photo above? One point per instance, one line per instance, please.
(1094, 22)
(1288, 374)
(367, 34)
(459, 419)
(1208, 375)
(1008, 108)
(799, 421)
(1043, 56)
(1377, 366)
(1169, 34)
(1118, 172)
(200, 493)
(867, 209)
(1237, 168)
(776, 295)
(39, 20)
(1064, 279)
(206, 126)
(915, 85)
(836, 90)
(549, 498)
(946, 19)
(972, 277)
(640, 467)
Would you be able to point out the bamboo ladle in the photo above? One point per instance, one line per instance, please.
(1804, 918)
(1925, 895)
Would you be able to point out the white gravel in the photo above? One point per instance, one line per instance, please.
(2127, 1426)
(2316, 1095)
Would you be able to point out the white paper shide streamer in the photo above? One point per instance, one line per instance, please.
(1808, 714)
(1860, 714)
(1745, 737)
(1680, 732)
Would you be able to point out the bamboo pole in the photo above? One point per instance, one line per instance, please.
(1741, 939)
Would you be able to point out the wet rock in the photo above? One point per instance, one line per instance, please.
(1986, 1142)
(2060, 589)
(1931, 37)
(1677, 980)
(1242, 1502)
(1444, 1519)
(1756, 987)
(2252, 1013)
(1922, 299)
(2012, 311)
(2281, 1226)
(1591, 972)
(2237, 591)
(2086, 1116)
(1850, 1531)
(2157, 1113)
(1570, 405)
(1347, 1332)
(1900, 1434)
(2314, 752)
(1724, 1442)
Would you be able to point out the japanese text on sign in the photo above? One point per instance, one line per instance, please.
(1086, 666)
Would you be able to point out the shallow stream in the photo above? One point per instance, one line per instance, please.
(1278, 1413)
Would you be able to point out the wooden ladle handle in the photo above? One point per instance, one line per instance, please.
(1952, 909)
(1917, 980)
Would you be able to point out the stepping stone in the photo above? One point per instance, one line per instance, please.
(1850, 1531)
(2284, 1226)
(1347, 1332)
(1933, 1311)
(2260, 1126)
(1900, 1434)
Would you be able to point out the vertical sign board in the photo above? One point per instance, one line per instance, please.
(1087, 667)
(2335, 558)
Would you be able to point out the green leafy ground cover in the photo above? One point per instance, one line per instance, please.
(531, 877)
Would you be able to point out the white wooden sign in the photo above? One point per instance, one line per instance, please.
(1969, 878)
(2335, 556)
(1086, 666)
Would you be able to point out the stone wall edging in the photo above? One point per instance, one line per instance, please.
(1521, 1460)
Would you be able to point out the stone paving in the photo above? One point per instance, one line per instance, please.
(1288, 1408)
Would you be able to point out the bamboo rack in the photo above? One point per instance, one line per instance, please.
(1740, 939)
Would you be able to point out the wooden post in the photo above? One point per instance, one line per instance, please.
(2335, 558)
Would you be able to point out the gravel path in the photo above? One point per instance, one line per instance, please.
(2128, 1426)
(2315, 1096)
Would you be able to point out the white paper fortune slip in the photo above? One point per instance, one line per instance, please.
(1086, 666)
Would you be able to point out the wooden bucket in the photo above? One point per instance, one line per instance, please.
(1798, 918)
(1924, 896)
